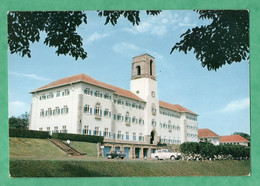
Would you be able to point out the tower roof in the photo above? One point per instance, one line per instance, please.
(87, 79)
(145, 54)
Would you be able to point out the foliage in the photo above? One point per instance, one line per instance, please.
(24, 28)
(21, 122)
(78, 137)
(23, 133)
(224, 41)
(159, 144)
(208, 150)
(132, 16)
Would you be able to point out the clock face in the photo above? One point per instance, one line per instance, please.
(153, 94)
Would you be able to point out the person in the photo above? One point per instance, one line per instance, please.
(68, 143)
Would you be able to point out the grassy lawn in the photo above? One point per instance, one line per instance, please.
(89, 148)
(28, 148)
(41, 158)
(122, 168)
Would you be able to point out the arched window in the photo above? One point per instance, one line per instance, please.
(151, 67)
(97, 110)
(138, 70)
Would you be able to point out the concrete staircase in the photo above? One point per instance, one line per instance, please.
(63, 146)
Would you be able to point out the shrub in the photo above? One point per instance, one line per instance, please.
(23, 133)
(78, 137)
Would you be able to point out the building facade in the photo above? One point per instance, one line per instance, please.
(209, 136)
(134, 118)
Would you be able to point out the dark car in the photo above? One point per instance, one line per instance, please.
(115, 154)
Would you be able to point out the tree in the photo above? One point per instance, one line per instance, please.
(224, 41)
(21, 122)
(25, 27)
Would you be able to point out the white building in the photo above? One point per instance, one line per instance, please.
(209, 136)
(82, 105)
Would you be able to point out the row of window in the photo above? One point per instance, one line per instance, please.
(66, 92)
(170, 141)
(194, 118)
(192, 127)
(116, 136)
(53, 112)
(170, 114)
(55, 129)
(127, 103)
(192, 135)
(107, 113)
(169, 126)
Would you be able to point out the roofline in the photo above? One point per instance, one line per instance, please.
(179, 111)
(143, 55)
(81, 81)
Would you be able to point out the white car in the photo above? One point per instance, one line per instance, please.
(166, 154)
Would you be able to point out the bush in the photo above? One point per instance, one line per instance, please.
(23, 133)
(78, 137)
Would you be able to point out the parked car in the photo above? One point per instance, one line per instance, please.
(166, 154)
(116, 154)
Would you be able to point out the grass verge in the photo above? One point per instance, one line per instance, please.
(123, 168)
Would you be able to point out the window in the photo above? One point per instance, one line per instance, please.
(127, 135)
(64, 130)
(56, 111)
(140, 137)
(106, 96)
(86, 130)
(87, 91)
(96, 132)
(42, 97)
(134, 119)
(98, 94)
(40, 129)
(56, 129)
(48, 128)
(58, 93)
(86, 109)
(49, 112)
(66, 92)
(42, 113)
(119, 102)
(106, 133)
(151, 67)
(153, 122)
(153, 94)
(119, 135)
(138, 70)
(50, 95)
(134, 136)
(119, 117)
(65, 110)
(127, 118)
(153, 109)
(98, 111)
(140, 120)
(133, 105)
(106, 112)
(169, 126)
(128, 104)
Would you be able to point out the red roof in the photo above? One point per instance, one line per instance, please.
(87, 79)
(232, 138)
(175, 107)
(204, 133)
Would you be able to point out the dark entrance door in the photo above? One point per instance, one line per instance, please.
(152, 137)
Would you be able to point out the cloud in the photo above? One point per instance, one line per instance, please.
(16, 108)
(96, 36)
(161, 24)
(31, 76)
(236, 105)
(126, 47)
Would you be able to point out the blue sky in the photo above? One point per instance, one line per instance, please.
(220, 98)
